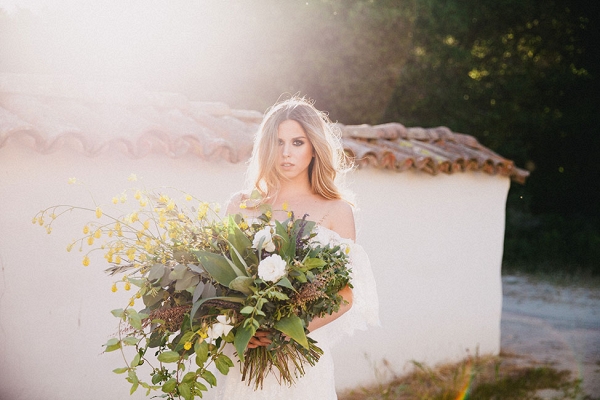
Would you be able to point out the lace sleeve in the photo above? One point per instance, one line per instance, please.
(365, 305)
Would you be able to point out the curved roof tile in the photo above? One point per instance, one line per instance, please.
(54, 110)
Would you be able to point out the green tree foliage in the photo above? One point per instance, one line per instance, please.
(522, 78)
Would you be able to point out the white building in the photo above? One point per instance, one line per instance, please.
(432, 220)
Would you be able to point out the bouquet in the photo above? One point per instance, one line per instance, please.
(206, 282)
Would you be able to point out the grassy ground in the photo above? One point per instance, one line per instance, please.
(504, 377)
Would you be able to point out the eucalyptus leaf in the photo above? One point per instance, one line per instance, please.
(178, 272)
(217, 266)
(169, 385)
(156, 272)
(197, 292)
(242, 284)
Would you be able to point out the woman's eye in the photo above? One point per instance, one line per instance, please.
(298, 142)
(280, 142)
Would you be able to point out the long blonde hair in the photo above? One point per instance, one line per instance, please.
(329, 161)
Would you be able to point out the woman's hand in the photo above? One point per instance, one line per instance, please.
(260, 338)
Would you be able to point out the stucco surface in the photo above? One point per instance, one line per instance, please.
(435, 243)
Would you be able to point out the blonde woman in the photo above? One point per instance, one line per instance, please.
(297, 159)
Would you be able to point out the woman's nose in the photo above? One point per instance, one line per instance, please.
(285, 150)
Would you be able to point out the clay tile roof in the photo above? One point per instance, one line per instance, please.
(433, 150)
(46, 112)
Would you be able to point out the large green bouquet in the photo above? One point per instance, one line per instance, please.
(207, 281)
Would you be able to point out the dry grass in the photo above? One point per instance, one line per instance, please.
(503, 377)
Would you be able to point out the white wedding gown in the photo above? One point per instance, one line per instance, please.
(318, 381)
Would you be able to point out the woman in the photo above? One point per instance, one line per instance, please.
(296, 159)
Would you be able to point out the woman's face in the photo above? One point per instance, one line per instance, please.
(295, 151)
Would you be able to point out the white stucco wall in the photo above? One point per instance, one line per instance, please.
(435, 244)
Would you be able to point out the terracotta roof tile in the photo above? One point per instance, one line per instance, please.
(101, 115)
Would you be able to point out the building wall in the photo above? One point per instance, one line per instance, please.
(435, 244)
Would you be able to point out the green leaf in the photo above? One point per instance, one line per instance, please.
(118, 313)
(133, 379)
(242, 284)
(189, 377)
(169, 386)
(178, 272)
(131, 340)
(120, 370)
(242, 338)
(223, 363)
(209, 377)
(168, 357)
(314, 263)
(135, 320)
(217, 266)
(240, 242)
(285, 282)
(150, 300)
(112, 345)
(248, 310)
(201, 350)
(156, 272)
(199, 303)
(293, 327)
(136, 361)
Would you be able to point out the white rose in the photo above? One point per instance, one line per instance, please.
(272, 268)
(267, 238)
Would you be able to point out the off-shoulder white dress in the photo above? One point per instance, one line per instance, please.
(318, 382)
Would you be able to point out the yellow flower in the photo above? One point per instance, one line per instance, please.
(48, 229)
(86, 261)
(114, 287)
(243, 225)
(90, 240)
(132, 302)
(86, 230)
(41, 221)
(163, 198)
(187, 345)
(115, 200)
(132, 177)
(34, 220)
(118, 259)
(138, 195)
(98, 212)
(98, 234)
(146, 224)
(127, 285)
(131, 254)
(269, 214)
(202, 334)
(143, 202)
(72, 181)
(171, 205)
(188, 197)
(284, 206)
(70, 247)
(123, 198)
(181, 216)
(289, 214)
(243, 205)
(138, 295)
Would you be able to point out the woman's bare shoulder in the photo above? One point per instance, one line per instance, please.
(341, 219)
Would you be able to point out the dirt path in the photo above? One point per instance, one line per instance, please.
(552, 324)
